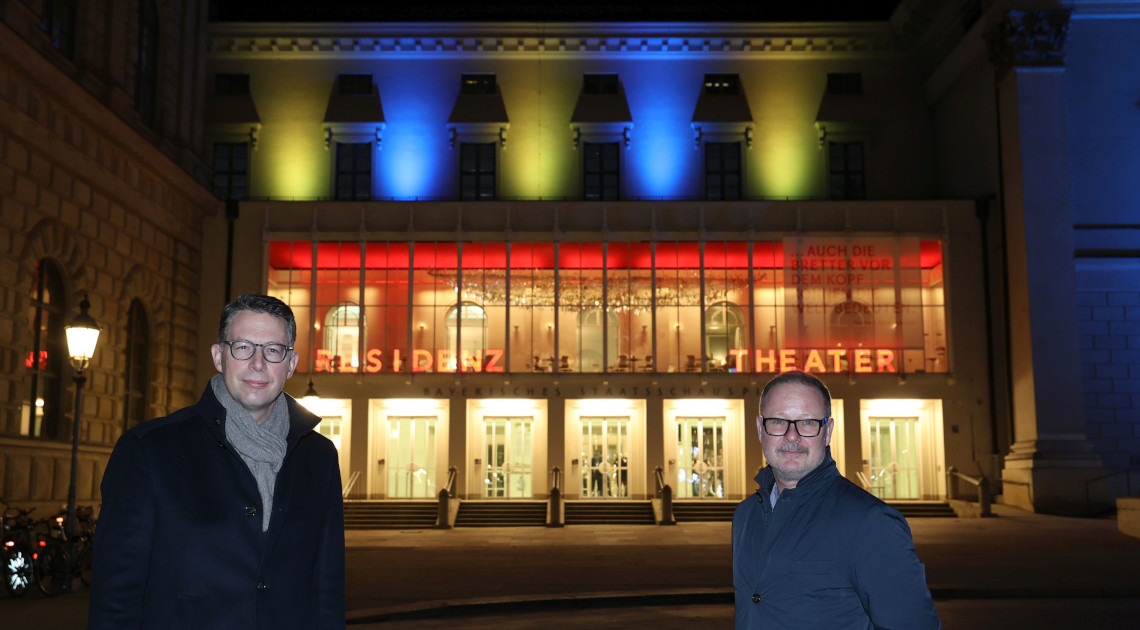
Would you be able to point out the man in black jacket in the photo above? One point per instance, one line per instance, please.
(228, 513)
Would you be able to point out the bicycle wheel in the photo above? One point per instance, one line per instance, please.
(18, 571)
(52, 574)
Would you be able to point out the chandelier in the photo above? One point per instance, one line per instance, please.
(623, 293)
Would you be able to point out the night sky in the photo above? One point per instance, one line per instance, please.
(592, 11)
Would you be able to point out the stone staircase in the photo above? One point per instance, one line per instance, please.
(608, 513)
(390, 514)
(501, 514)
(698, 511)
(923, 509)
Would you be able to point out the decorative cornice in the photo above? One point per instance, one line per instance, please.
(570, 40)
(1029, 39)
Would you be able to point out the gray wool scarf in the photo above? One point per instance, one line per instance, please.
(261, 446)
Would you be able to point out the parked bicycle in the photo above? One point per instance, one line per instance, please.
(59, 558)
(16, 554)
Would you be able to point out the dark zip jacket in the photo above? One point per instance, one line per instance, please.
(179, 541)
(830, 555)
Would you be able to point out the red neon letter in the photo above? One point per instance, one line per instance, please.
(835, 356)
(443, 360)
(375, 361)
(323, 358)
(738, 355)
(493, 356)
(763, 360)
(885, 361)
(814, 362)
(863, 361)
(421, 360)
(787, 359)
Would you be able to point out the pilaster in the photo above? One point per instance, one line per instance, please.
(1051, 461)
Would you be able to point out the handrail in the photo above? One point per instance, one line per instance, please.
(1126, 471)
(556, 479)
(665, 493)
(351, 482)
(863, 480)
(452, 475)
(981, 483)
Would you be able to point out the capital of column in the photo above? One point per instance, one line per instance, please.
(1028, 38)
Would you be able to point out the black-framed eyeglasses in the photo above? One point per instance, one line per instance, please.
(808, 427)
(243, 350)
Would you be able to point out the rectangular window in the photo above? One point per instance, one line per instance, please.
(479, 84)
(600, 170)
(722, 171)
(722, 84)
(844, 83)
(59, 23)
(231, 84)
(353, 171)
(600, 84)
(680, 307)
(477, 171)
(231, 170)
(846, 170)
(354, 84)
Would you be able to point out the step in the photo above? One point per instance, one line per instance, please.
(923, 509)
(523, 513)
(703, 511)
(390, 514)
(609, 513)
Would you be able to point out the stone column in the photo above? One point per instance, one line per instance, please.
(1050, 460)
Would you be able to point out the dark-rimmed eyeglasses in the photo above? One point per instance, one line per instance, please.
(243, 350)
(808, 427)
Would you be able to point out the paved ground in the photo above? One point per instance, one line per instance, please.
(1017, 570)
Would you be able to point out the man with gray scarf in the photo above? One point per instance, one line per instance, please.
(228, 513)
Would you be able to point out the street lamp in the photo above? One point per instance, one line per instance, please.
(310, 398)
(82, 335)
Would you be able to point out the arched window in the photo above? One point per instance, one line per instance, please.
(851, 323)
(137, 374)
(467, 323)
(344, 326)
(724, 330)
(591, 354)
(146, 62)
(42, 408)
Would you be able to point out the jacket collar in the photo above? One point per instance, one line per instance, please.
(811, 482)
(301, 420)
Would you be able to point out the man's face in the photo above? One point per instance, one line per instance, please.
(790, 455)
(254, 383)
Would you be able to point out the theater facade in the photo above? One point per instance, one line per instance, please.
(563, 254)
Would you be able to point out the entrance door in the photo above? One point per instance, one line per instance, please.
(507, 445)
(894, 457)
(605, 457)
(411, 461)
(700, 457)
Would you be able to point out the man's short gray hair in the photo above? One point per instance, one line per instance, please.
(258, 304)
(798, 377)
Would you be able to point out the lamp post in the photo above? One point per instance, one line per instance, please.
(82, 335)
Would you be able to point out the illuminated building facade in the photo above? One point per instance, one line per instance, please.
(521, 247)
(515, 248)
(103, 193)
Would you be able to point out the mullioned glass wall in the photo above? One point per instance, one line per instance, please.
(823, 304)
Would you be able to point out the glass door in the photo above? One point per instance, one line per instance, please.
(700, 457)
(604, 455)
(894, 457)
(411, 457)
(508, 444)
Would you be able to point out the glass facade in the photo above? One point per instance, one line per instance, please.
(822, 304)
